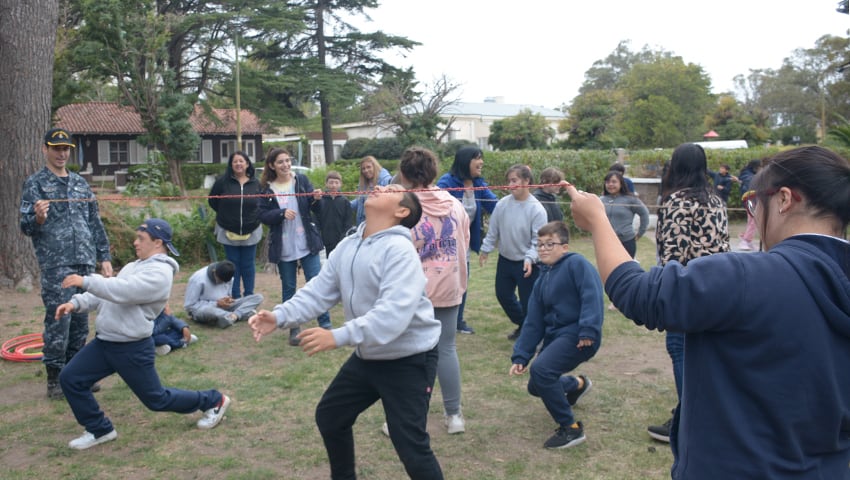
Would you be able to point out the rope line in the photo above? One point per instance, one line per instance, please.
(148, 199)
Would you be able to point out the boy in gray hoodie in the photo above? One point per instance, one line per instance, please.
(126, 307)
(377, 275)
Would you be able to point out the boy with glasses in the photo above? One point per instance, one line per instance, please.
(565, 312)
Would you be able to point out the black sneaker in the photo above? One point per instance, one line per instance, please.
(293, 336)
(574, 396)
(661, 432)
(515, 334)
(566, 437)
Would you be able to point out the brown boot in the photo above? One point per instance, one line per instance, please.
(54, 391)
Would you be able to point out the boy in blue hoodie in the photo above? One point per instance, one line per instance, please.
(565, 311)
(377, 275)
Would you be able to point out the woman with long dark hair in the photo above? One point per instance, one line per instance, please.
(692, 223)
(237, 223)
(294, 235)
(465, 182)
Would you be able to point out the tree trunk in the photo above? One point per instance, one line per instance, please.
(324, 108)
(27, 42)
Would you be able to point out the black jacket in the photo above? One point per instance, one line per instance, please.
(237, 214)
(272, 215)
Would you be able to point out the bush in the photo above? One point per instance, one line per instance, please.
(151, 179)
(194, 173)
(192, 235)
(356, 148)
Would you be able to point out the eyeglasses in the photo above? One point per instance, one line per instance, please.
(750, 199)
(547, 245)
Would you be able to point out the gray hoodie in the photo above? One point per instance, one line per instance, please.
(128, 303)
(380, 282)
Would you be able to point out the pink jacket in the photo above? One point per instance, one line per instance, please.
(442, 239)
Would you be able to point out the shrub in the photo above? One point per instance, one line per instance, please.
(355, 148)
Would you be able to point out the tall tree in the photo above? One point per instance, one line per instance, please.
(416, 117)
(330, 55)
(731, 121)
(27, 39)
(669, 94)
(590, 118)
(126, 41)
(807, 91)
(525, 130)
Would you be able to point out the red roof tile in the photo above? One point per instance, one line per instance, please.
(112, 118)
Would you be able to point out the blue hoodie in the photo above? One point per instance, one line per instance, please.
(566, 300)
(484, 199)
(381, 285)
(766, 389)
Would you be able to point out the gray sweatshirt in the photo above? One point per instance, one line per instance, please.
(202, 291)
(380, 282)
(513, 228)
(128, 303)
(621, 211)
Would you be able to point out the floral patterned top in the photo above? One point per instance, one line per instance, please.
(688, 229)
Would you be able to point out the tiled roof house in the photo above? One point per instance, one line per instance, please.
(106, 135)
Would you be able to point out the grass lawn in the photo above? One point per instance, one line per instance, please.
(269, 432)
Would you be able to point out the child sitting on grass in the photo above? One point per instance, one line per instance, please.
(565, 311)
(169, 332)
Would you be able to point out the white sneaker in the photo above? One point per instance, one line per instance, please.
(227, 320)
(745, 245)
(164, 349)
(455, 423)
(87, 440)
(385, 429)
(192, 338)
(213, 416)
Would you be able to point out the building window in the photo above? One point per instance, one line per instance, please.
(229, 146)
(119, 152)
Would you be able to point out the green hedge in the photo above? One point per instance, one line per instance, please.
(585, 169)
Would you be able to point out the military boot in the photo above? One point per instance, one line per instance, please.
(54, 391)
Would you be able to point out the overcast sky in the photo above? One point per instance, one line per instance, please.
(537, 51)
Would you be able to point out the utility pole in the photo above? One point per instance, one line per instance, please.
(238, 99)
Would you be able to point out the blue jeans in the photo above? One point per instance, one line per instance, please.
(404, 387)
(288, 278)
(244, 257)
(134, 362)
(509, 280)
(676, 350)
(557, 357)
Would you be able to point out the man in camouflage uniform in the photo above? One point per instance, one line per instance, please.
(59, 212)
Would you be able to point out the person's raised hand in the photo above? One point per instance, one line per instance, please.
(315, 340)
(262, 323)
(63, 310)
(587, 208)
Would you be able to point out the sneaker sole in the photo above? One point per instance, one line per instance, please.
(453, 431)
(589, 385)
(97, 441)
(659, 437)
(573, 443)
(222, 412)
